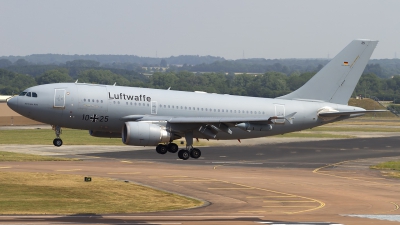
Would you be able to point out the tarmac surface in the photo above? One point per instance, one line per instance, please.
(307, 182)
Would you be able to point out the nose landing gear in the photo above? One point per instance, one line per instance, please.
(57, 141)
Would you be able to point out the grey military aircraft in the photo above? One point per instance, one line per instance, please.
(153, 117)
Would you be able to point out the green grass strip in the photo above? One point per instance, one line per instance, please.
(20, 157)
(44, 193)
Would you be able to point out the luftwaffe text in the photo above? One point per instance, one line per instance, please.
(129, 97)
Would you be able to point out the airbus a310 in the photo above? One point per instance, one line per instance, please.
(153, 117)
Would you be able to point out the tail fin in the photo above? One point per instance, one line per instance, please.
(336, 81)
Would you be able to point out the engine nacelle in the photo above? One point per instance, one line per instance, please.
(104, 134)
(144, 134)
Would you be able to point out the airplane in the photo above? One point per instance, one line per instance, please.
(154, 117)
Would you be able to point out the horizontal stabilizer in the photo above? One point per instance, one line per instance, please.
(336, 114)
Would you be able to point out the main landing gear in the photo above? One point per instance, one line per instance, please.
(57, 141)
(183, 153)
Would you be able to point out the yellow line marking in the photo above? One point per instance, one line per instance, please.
(289, 206)
(321, 204)
(126, 161)
(396, 207)
(67, 170)
(126, 173)
(317, 171)
(5, 167)
(229, 188)
(272, 196)
(286, 201)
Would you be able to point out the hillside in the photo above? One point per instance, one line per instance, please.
(370, 104)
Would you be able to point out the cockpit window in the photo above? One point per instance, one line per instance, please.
(34, 94)
(23, 93)
(28, 94)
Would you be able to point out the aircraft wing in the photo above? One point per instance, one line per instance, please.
(172, 119)
(347, 113)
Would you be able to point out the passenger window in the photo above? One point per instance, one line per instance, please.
(127, 103)
(140, 104)
(23, 93)
(98, 101)
(102, 101)
(28, 94)
(34, 94)
(131, 103)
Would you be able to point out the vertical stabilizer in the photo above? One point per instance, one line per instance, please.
(336, 81)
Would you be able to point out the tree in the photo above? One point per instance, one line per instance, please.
(54, 76)
(5, 63)
(102, 77)
(82, 63)
(21, 62)
(12, 83)
(163, 63)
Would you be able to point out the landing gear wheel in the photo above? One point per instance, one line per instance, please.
(195, 153)
(172, 147)
(183, 154)
(161, 149)
(57, 142)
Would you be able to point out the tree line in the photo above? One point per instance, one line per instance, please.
(269, 84)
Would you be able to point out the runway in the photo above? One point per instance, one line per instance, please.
(318, 182)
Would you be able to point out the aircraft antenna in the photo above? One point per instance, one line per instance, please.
(76, 81)
(114, 83)
(169, 88)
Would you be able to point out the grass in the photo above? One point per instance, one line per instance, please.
(370, 104)
(391, 168)
(46, 136)
(20, 157)
(45, 193)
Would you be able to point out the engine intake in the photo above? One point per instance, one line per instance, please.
(144, 134)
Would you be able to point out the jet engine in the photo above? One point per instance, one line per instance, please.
(144, 134)
(104, 134)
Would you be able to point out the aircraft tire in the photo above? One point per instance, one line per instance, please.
(195, 153)
(161, 149)
(172, 147)
(184, 154)
(57, 142)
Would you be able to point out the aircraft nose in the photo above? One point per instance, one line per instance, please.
(13, 103)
